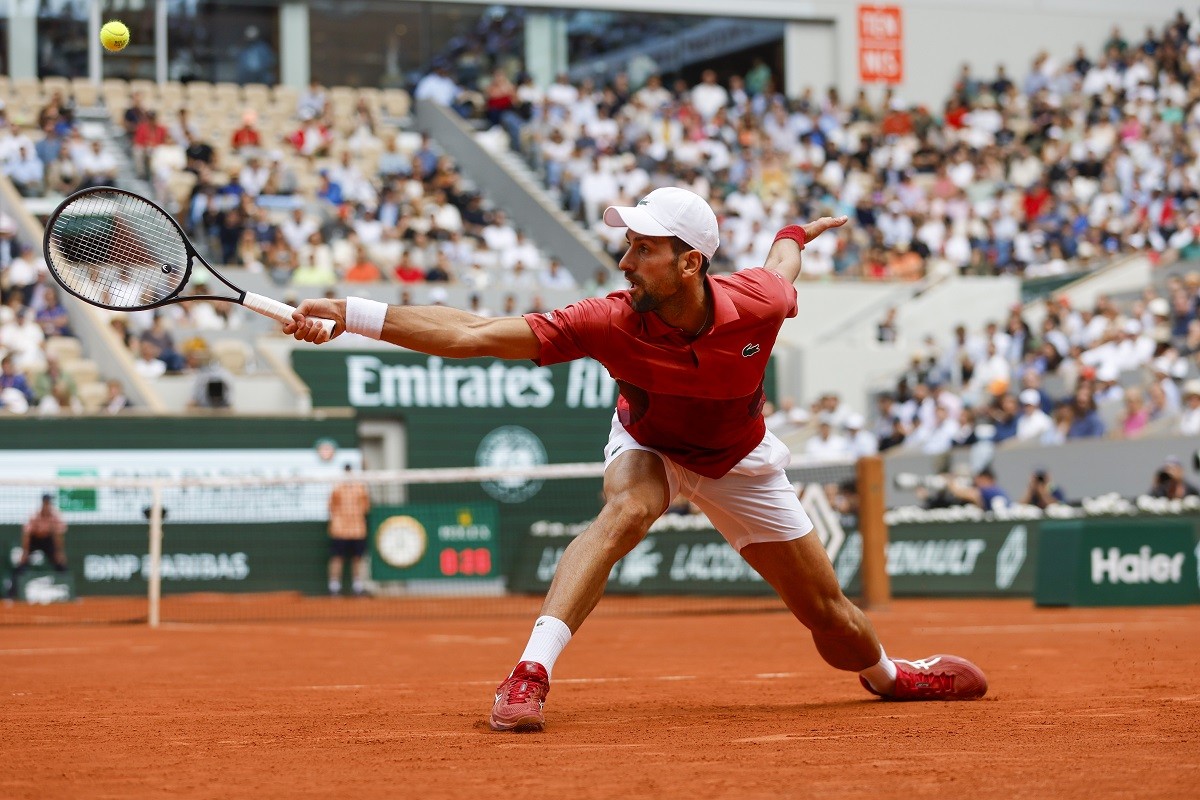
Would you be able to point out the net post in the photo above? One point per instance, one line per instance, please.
(876, 586)
(154, 580)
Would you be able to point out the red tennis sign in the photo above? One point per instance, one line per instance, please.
(880, 44)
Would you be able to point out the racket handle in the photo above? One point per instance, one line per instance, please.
(280, 312)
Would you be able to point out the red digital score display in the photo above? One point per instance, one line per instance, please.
(472, 561)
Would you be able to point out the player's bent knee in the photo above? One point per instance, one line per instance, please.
(626, 522)
(831, 615)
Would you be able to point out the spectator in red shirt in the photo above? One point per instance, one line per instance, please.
(408, 272)
(148, 134)
(247, 135)
(688, 351)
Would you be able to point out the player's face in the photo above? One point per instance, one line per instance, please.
(652, 269)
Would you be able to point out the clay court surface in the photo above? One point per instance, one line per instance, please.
(1083, 703)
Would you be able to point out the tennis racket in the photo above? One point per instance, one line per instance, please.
(118, 250)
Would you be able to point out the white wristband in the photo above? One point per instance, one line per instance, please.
(365, 317)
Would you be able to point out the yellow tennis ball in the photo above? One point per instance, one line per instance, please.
(114, 35)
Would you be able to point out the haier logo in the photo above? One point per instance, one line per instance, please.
(1140, 567)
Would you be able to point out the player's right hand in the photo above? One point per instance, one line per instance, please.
(304, 326)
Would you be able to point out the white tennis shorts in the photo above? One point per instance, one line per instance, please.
(753, 502)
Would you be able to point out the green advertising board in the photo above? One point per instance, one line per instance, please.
(928, 559)
(1119, 562)
(446, 542)
(680, 555)
(113, 559)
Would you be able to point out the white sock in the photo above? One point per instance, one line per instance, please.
(882, 676)
(335, 587)
(547, 641)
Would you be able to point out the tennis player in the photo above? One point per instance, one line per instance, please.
(688, 351)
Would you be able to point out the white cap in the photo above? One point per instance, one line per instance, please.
(1030, 397)
(1159, 307)
(670, 212)
(854, 422)
(1191, 387)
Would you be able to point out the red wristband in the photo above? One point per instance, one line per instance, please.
(793, 232)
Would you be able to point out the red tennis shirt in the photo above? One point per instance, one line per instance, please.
(697, 401)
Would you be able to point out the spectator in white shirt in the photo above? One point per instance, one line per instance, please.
(826, 445)
(708, 96)
(148, 363)
(862, 442)
(1189, 422)
(498, 234)
(1033, 424)
(297, 228)
(555, 276)
(97, 167)
(26, 171)
(524, 251)
(254, 176)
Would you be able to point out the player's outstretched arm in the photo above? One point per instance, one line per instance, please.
(784, 256)
(436, 330)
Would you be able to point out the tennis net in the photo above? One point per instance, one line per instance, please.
(458, 542)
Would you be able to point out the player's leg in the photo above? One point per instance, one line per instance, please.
(637, 491)
(800, 572)
(759, 514)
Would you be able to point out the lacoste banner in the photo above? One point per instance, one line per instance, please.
(977, 560)
(680, 555)
(1119, 562)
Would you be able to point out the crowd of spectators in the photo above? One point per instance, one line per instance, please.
(1080, 158)
(1117, 370)
(388, 206)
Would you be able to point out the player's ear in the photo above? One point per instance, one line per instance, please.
(693, 262)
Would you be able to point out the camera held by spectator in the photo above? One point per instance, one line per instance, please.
(1169, 481)
(1042, 491)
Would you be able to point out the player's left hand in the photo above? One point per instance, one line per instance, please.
(815, 228)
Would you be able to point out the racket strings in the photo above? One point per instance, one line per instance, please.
(117, 250)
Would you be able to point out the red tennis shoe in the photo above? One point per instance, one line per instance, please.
(940, 677)
(519, 699)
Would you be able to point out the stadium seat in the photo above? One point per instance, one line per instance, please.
(64, 348)
(232, 354)
(82, 370)
(92, 395)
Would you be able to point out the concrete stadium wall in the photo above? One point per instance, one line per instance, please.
(1083, 468)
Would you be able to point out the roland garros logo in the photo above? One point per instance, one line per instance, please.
(511, 447)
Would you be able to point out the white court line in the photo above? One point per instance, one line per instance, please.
(49, 651)
(795, 737)
(445, 639)
(1049, 627)
(350, 686)
(346, 633)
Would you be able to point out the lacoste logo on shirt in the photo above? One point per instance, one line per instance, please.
(643, 202)
(750, 350)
